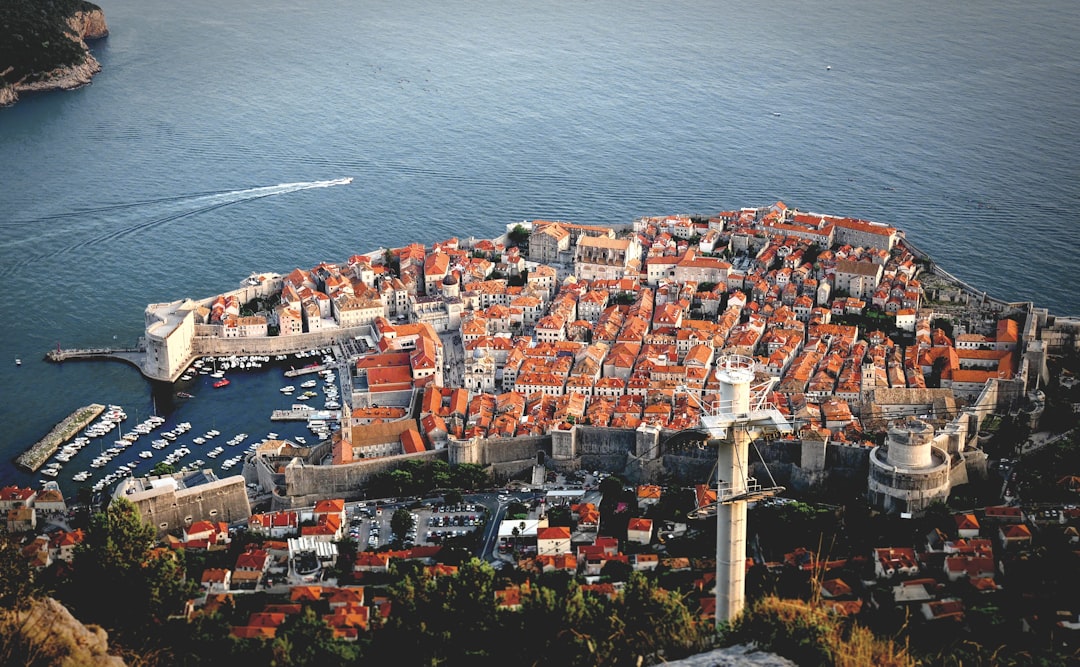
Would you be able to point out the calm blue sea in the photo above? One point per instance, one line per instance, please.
(192, 159)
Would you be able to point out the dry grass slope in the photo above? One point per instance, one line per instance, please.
(811, 635)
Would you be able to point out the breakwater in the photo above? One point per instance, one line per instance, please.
(40, 451)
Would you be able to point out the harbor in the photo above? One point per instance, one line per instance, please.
(190, 424)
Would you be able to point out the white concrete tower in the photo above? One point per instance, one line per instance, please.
(732, 466)
(741, 415)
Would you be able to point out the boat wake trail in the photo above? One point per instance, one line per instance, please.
(208, 203)
(168, 209)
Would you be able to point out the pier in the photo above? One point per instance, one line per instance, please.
(303, 414)
(131, 355)
(40, 451)
(306, 370)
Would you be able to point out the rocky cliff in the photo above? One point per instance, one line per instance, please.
(82, 25)
(45, 633)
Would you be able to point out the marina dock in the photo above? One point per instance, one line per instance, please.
(303, 414)
(40, 451)
(306, 370)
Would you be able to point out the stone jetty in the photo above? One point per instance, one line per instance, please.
(40, 451)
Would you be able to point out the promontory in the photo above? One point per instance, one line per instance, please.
(43, 45)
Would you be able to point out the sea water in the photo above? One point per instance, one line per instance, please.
(214, 141)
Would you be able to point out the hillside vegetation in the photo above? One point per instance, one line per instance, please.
(811, 635)
(35, 38)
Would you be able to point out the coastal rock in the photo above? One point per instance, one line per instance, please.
(47, 632)
(64, 78)
(89, 25)
(84, 25)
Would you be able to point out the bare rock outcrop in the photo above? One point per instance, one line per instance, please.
(89, 25)
(46, 634)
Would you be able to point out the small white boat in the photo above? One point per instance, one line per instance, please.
(288, 390)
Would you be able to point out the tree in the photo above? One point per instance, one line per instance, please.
(401, 522)
(943, 324)
(517, 510)
(560, 516)
(116, 562)
(655, 622)
(452, 497)
(347, 549)
(470, 476)
(612, 487)
(305, 639)
(616, 570)
(162, 468)
(401, 482)
(16, 576)
(519, 235)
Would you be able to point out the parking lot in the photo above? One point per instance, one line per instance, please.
(369, 524)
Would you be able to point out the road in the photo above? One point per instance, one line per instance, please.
(497, 512)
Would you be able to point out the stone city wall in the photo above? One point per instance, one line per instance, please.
(224, 500)
(204, 345)
(689, 469)
(601, 441)
(495, 451)
(506, 470)
(305, 484)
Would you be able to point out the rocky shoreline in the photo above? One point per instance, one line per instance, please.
(86, 25)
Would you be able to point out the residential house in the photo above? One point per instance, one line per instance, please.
(216, 580)
(639, 530)
(553, 540)
(890, 561)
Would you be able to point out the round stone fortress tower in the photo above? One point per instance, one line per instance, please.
(908, 472)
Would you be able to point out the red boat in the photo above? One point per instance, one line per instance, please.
(223, 382)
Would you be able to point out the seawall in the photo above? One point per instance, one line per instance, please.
(34, 457)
